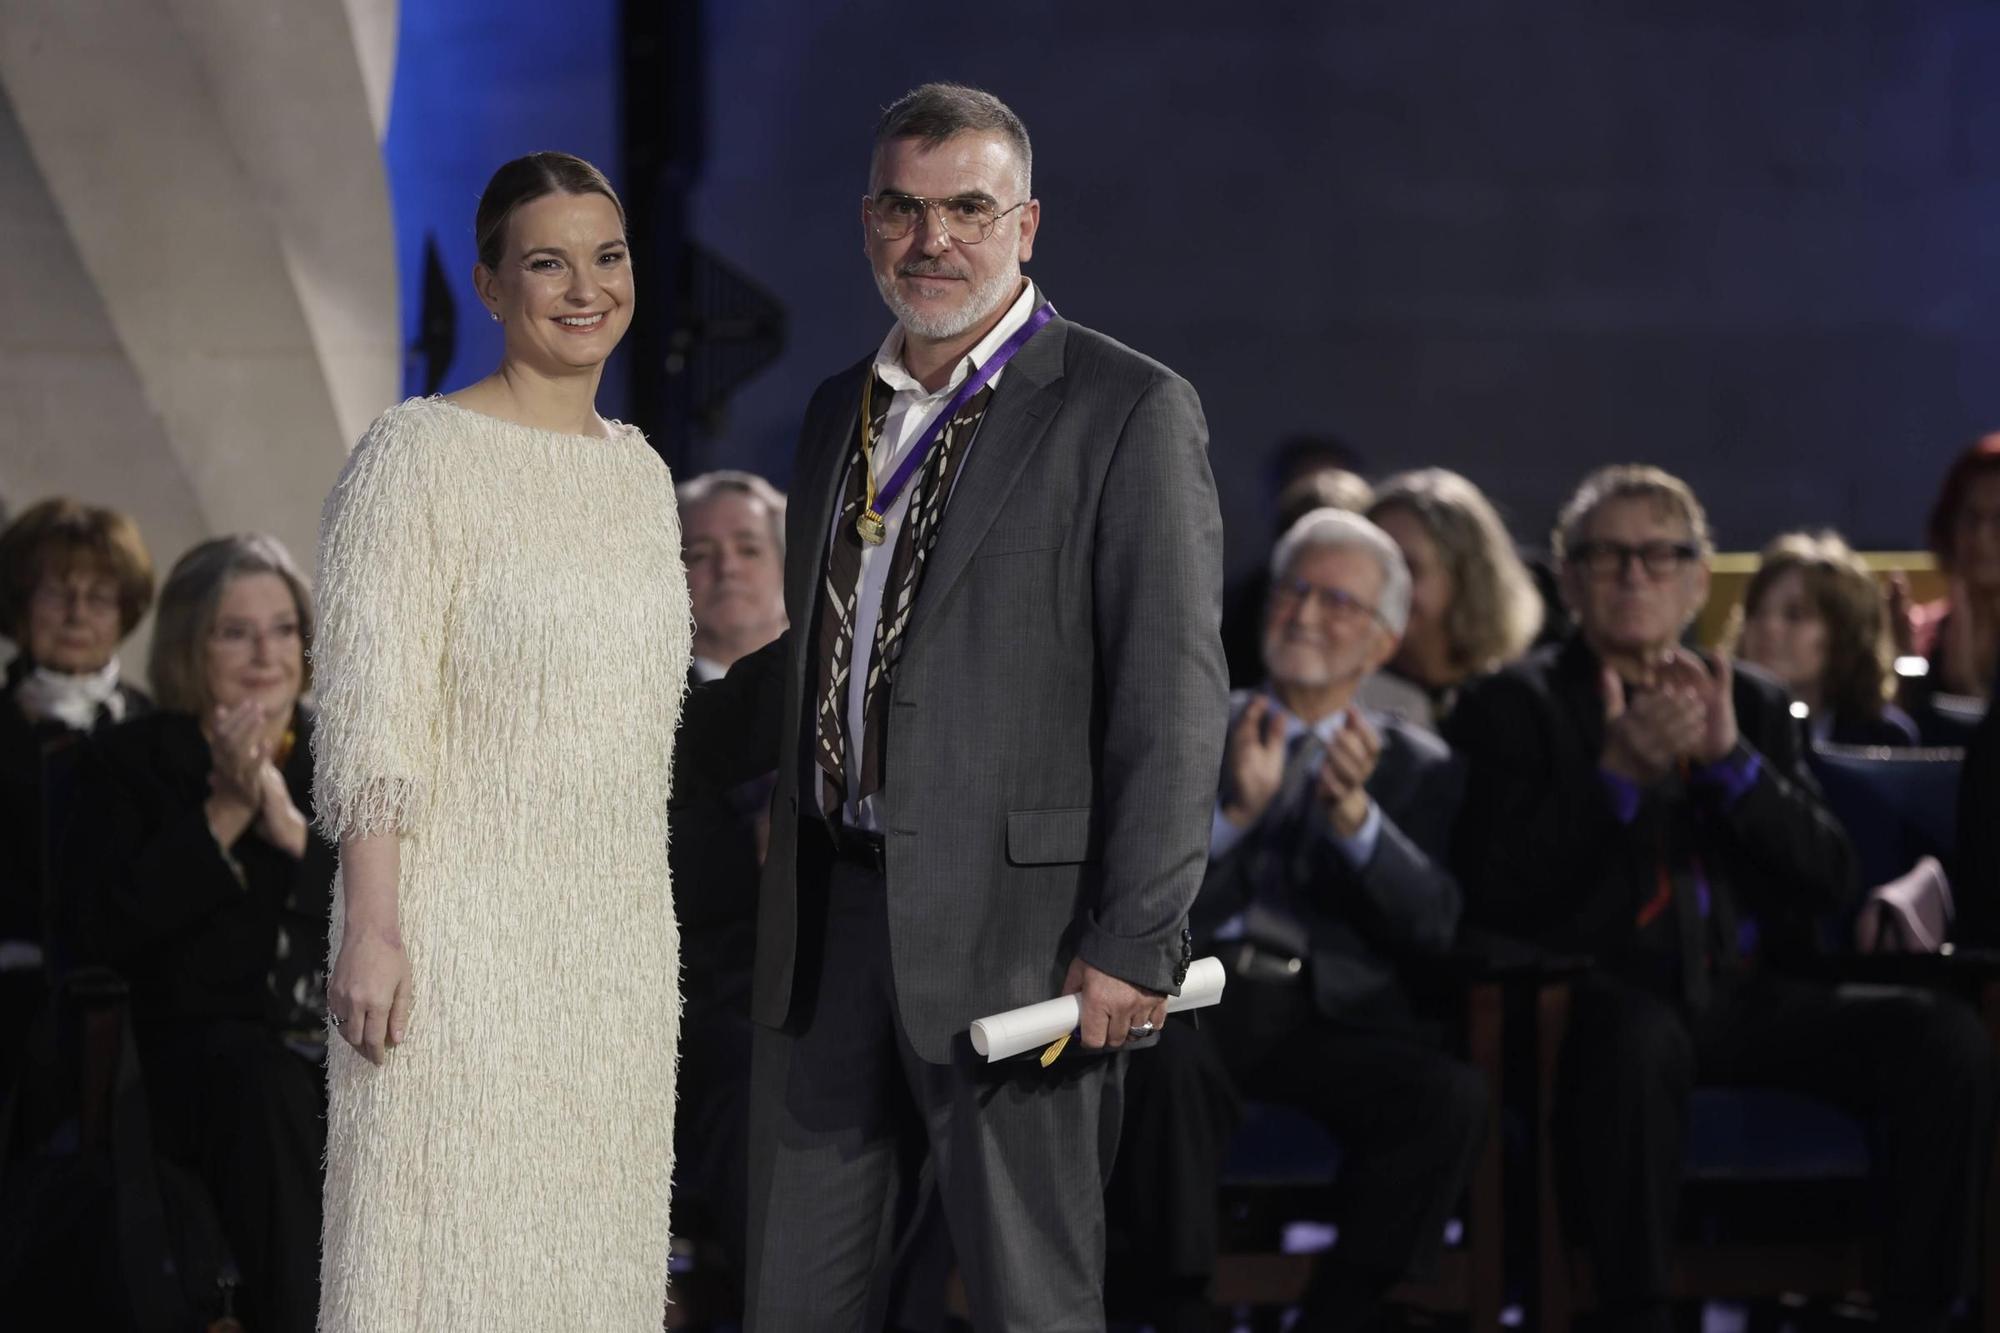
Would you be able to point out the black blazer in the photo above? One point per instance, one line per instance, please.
(25, 748)
(712, 847)
(1542, 855)
(157, 900)
(1362, 922)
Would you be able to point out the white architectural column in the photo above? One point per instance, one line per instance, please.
(216, 167)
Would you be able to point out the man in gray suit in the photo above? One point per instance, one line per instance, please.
(998, 719)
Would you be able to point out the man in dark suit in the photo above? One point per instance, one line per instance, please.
(1326, 874)
(997, 722)
(733, 543)
(1633, 801)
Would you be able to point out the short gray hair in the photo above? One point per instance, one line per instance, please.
(1338, 530)
(935, 112)
(727, 481)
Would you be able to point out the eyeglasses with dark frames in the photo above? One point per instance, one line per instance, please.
(1607, 560)
(967, 218)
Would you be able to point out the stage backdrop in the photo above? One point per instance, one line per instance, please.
(1750, 242)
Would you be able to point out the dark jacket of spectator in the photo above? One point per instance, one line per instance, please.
(226, 956)
(1976, 881)
(198, 932)
(1542, 851)
(24, 748)
(1361, 921)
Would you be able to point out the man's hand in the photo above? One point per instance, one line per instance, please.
(1343, 775)
(1112, 1008)
(1644, 739)
(1254, 763)
(1710, 682)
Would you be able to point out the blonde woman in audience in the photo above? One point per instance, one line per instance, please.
(1473, 606)
(195, 873)
(1815, 618)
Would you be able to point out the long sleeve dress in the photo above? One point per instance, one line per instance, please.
(501, 657)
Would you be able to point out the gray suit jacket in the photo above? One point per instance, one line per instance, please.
(1362, 922)
(1057, 717)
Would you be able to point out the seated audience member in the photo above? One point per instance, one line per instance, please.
(1473, 605)
(1629, 800)
(1312, 481)
(733, 543)
(1326, 875)
(1815, 618)
(197, 874)
(74, 581)
(1976, 875)
(1960, 633)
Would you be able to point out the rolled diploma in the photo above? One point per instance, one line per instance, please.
(1003, 1036)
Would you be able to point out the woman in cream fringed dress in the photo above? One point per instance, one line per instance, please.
(500, 665)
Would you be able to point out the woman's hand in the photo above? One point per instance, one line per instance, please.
(368, 996)
(238, 753)
(278, 820)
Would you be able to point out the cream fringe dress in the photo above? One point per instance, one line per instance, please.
(502, 650)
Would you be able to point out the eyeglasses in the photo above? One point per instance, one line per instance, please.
(968, 219)
(100, 598)
(235, 636)
(1291, 595)
(1608, 560)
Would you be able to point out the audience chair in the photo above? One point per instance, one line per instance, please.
(1283, 1165)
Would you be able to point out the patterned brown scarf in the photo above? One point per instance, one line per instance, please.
(929, 491)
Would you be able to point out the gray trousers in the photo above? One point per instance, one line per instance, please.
(842, 1116)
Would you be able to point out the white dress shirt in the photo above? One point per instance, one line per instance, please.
(909, 412)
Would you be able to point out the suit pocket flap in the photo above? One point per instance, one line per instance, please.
(1051, 837)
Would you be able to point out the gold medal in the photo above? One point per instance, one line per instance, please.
(869, 526)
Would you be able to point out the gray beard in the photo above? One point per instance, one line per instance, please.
(984, 300)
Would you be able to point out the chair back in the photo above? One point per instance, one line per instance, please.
(1897, 805)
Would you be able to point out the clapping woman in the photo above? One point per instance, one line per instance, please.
(196, 874)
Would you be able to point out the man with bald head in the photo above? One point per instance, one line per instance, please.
(997, 722)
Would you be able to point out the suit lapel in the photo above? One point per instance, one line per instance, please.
(1023, 406)
(817, 478)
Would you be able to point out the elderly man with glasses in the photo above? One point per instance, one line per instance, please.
(1326, 877)
(1649, 806)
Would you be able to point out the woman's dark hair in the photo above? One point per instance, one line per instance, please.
(60, 534)
(524, 180)
(1844, 594)
(1978, 461)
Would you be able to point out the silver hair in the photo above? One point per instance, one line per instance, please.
(177, 663)
(700, 490)
(1338, 530)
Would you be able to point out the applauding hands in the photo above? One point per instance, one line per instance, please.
(245, 787)
(1689, 713)
(1254, 768)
